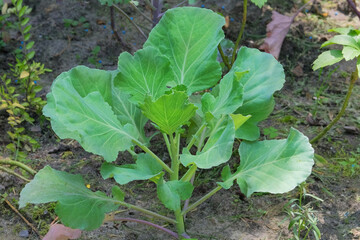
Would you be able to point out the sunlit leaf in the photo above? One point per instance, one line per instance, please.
(145, 168)
(144, 74)
(170, 111)
(77, 206)
(266, 75)
(189, 38)
(218, 148)
(274, 166)
(171, 193)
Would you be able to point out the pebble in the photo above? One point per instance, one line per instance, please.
(123, 31)
(131, 18)
(203, 6)
(222, 7)
(24, 233)
(100, 61)
(336, 13)
(86, 30)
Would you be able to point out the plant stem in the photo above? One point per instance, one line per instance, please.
(131, 21)
(174, 147)
(353, 6)
(240, 33)
(195, 136)
(224, 58)
(354, 77)
(201, 200)
(7, 161)
(147, 2)
(180, 226)
(142, 14)
(189, 174)
(147, 150)
(175, 235)
(156, 13)
(112, 24)
(5, 169)
(145, 211)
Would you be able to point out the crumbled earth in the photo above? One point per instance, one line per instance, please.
(227, 215)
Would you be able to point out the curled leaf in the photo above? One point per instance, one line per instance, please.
(276, 32)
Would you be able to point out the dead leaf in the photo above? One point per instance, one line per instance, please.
(100, 22)
(24, 74)
(60, 232)
(276, 32)
(298, 71)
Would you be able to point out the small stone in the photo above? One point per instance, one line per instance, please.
(222, 7)
(100, 61)
(131, 18)
(104, 26)
(123, 31)
(202, 5)
(24, 233)
(86, 30)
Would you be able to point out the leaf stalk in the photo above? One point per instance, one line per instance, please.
(147, 150)
(240, 33)
(201, 200)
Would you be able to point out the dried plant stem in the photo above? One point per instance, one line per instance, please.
(354, 77)
(240, 33)
(131, 21)
(5, 169)
(7, 161)
(112, 24)
(141, 13)
(23, 218)
(173, 234)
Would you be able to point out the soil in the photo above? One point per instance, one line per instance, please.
(227, 215)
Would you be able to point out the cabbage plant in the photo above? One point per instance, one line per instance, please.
(165, 83)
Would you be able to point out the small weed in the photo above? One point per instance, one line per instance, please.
(271, 132)
(94, 58)
(302, 217)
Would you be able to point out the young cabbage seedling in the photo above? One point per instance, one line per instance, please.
(105, 111)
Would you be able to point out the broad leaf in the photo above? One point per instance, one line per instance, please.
(259, 3)
(79, 106)
(230, 96)
(349, 53)
(77, 207)
(171, 193)
(128, 112)
(239, 119)
(144, 74)
(145, 168)
(189, 38)
(170, 111)
(274, 166)
(218, 148)
(266, 75)
(342, 40)
(328, 58)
